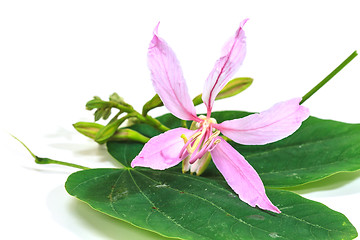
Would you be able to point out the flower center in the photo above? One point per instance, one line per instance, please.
(202, 141)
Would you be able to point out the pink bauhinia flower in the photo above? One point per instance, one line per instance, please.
(193, 146)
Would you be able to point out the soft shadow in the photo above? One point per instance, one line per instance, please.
(87, 149)
(87, 223)
(336, 181)
(62, 132)
(48, 170)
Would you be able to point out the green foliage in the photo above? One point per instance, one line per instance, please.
(318, 149)
(190, 207)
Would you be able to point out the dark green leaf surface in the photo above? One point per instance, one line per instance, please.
(318, 149)
(190, 207)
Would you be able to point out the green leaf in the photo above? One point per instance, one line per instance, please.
(124, 152)
(116, 98)
(107, 113)
(190, 207)
(320, 148)
(96, 103)
(98, 114)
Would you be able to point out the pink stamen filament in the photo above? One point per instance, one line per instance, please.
(208, 146)
(187, 148)
(202, 141)
(205, 142)
(198, 148)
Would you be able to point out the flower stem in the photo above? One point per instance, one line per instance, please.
(151, 121)
(328, 77)
(144, 118)
(40, 160)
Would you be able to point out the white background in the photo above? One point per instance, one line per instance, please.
(56, 55)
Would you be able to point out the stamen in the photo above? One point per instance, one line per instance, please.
(214, 135)
(185, 147)
(216, 142)
(202, 141)
(195, 135)
(183, 152)
(198, 138)
(197, 149)
(198, 155)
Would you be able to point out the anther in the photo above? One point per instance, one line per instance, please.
(214, 135)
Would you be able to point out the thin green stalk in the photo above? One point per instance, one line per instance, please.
(40, 160)
(127, 108)
(152, 122)
(328, 77)
(156, 123)
(121, 107)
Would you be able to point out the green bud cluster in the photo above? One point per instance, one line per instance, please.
(115, 131)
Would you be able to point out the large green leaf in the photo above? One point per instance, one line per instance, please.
(319, 148)
(190, 207)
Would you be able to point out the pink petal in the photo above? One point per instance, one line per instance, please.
(276, 123)
(233, 54)
(162, 151)
(241, 176)
(168, 80)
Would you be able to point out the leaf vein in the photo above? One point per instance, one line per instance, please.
(156, 208)
(211, 203)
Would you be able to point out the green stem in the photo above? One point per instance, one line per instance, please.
(156, 123)
(127, 108)
(116, 117)
(328, 77)
(122, 107)
(39, 160)
(151, 121)
(146, 119)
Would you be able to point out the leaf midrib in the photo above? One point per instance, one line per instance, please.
(240, 220)
(197, 179)
(203, 199)
(156, 208)
(222, 189)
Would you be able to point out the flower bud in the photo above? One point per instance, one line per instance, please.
(232, 88)
(153, 103)
(88, 129)
(126, 134)
(108, 131)
(92, 130)
(200, 165)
